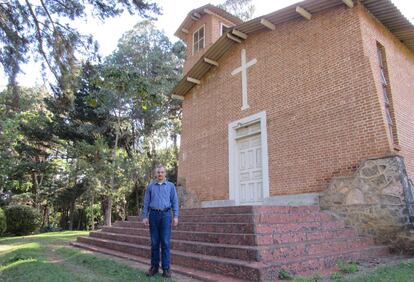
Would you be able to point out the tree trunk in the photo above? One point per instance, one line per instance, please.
(80, 220)
(92, 213)
(137, 196)
(71, 214)
(36, 189)
(45, 217)
(108, 210)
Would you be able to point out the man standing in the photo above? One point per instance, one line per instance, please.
(160, 198)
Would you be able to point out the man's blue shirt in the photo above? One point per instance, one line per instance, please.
(161, 196)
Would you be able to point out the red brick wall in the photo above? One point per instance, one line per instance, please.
(212, 33)
(400, 64)
(315, 82)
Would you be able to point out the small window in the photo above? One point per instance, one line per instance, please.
(223, 28)
(198, 40)
(383, 74)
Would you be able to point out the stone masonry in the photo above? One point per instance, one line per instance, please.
(375, 200)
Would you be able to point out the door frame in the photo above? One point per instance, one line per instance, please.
(233, 165)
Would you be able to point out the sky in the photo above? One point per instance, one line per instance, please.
(174, 12)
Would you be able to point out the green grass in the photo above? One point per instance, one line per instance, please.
(347, 267)
(48, 257)
(403, 272)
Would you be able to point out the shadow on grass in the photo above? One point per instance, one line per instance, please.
(47, 237)
(47, 257)
(106, 267)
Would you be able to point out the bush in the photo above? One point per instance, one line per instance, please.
(21, 220)
(3, 223)
(347, 267)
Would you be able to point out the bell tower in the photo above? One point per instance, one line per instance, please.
(201, 28)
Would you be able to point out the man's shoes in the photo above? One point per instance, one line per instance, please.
(152, 271)
(166, 273)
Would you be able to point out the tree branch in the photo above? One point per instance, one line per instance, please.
(40, 40)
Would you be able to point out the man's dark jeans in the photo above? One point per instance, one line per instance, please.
(160, 230)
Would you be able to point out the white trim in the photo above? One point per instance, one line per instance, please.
(233, 178)
(177, 97)
(193, 80)
(211, 62)
(309, 199)
(204, 37)
(234, 38)
(267, 24)
(243, 69)
(303, 12)
(221, 27)
(349, 3)
(238, 33)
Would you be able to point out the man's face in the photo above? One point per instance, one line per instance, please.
(160, 174)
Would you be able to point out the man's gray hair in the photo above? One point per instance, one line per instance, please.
(159, 167)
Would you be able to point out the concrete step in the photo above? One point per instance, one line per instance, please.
(250, 253)
(251, 218)
(282, 252)
(194, 273)
(246, 242)
(225, 227)
(219, 238)
(247, 253)
(250, 210)
(200, 227)
(248, 239)
(239, 269)
(232, 267)
(292, 236)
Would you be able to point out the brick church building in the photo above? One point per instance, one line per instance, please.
(276, 107)
(306, 109)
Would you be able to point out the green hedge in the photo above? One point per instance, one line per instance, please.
(21, 220)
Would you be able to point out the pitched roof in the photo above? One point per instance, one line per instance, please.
(383, 10)
(206, 9)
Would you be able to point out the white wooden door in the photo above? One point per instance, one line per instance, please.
(249, 160)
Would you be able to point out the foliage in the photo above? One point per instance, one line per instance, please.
(285, 274)
(244, 9)
(3, 222)
(347, 267)
(65, 158)
(337, 277)
(21, 220)
(46, 30)
(403, 272)
(314, 278)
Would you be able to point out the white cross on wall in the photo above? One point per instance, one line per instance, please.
(243, 69)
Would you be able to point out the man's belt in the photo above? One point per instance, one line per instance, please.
(160, 210)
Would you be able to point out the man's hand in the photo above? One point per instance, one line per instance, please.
(175, 221)
(145, 221)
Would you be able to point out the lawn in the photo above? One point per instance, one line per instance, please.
(399, 272)
(48, 257)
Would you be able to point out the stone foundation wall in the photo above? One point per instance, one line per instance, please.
(187, 199)
(374, 199)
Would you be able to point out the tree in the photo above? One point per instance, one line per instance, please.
(146, 52)
(43, 29)
(244, 9)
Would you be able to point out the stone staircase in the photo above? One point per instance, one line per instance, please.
(243, 242)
